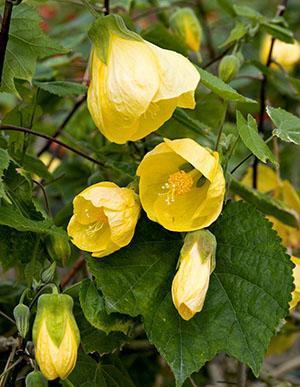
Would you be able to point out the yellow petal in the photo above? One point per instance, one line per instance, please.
(177, 75)
(196, 155)
(267, 180)
(66, 354)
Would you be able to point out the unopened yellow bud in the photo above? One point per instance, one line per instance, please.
(135, 86)
(197, 262)
(55, 336)
(104, 219)
(186, 25)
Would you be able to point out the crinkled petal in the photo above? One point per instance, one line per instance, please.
(177, 75)
(93, 237)
(196, 155)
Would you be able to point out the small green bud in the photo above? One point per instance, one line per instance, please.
(35, 379)
(48, 274)
(58, 248)
(22, 316)
(229, 67)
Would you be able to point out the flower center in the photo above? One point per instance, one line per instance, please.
(178, 183)
(99, 224)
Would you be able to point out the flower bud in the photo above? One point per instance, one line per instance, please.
(229, 67)
(55, 336)
(48, 274)
(186, 25)
(196, 263)
(22, 316)
(35, 379)
(58, 247)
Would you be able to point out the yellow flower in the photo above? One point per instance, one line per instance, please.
(137, 87)
(55, 336)
(269, 182)
(104, 219)
(182, 185)
(296, 292)
(287, 55)
(197, 262)
(186, 25)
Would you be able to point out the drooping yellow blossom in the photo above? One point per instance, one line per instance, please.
(104, 219)
(182, 185)
(55, 336)
(285, 54)
(296, 292)
(137, 86)
(186, 25)
(269, 182)
(196, 263)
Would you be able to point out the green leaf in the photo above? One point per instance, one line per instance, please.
(247, 298)
(62, 88)
(287, 125)
(15, 247)
(89, 373)
(26, 44)
(250, 137)
(221, 88)
(278, 32)
(33, 271)
(247, 12)
(36, 166)
(11, 217)
(264, 203)
(92, 304)
(237, 33)
(4, 163)
(158, 34)
(227, 6)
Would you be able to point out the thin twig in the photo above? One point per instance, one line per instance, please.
(76, 106)
(192, 382)
(7, 317)
(106, 7)
(45, 196)
(263, 90)
(68, 277)
(8, 7)
(217, 58)
(42, 135)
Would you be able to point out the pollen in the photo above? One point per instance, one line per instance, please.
(179, 183)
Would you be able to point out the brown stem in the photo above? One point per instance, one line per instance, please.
(63, 124)
(106, 7)
(4, 33)
(217, 58)
(263, 90)
(68, 277)
(42, 135)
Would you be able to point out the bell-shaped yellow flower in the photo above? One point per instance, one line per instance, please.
(55, 336)
(269, 182)
(186, 25)
(285, 54)
(136, 86)
(196, 263)
(296, 292)
(104, 219)
(182, 185)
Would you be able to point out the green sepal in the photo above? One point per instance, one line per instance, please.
(35, 379)
(22, 316)
(56, 309)
(202, 180)
(101, 31)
